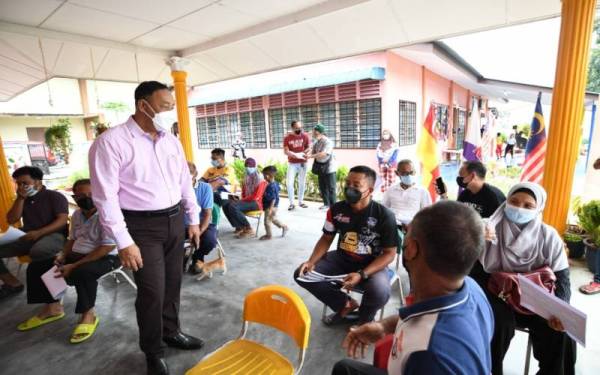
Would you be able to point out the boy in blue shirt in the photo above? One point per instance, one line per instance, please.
(271, 202)
(208, 231)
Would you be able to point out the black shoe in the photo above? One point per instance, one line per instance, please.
(156, 365)
(7, 290)
(183, 341)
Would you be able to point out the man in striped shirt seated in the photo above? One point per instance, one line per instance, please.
(449, 327)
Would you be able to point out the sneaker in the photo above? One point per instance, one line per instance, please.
(291, 207)
(591, 288)
(323, 207)
(8, 290)
(303, 205)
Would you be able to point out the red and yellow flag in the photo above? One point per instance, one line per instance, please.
(427, 151)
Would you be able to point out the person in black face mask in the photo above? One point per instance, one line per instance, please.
(483, 197)
(366, 245)
(88, 254)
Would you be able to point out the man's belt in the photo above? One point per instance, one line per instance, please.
(170, 211)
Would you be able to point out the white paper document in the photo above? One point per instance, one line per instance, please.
(544, 304)
(298, 155)
(11, 235)
(55, 285)
(316, 277)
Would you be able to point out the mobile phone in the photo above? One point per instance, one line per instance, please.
(440, 186)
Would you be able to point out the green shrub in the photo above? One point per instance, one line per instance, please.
(589, 219)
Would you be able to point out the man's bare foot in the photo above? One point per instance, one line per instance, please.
(51, 309)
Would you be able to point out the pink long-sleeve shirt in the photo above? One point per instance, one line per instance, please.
(131, 171)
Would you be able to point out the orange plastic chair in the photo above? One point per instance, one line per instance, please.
(272, 305)
(255, 215)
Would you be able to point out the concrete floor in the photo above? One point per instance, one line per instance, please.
(211, 309)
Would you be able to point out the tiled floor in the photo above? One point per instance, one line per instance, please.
(212, 310)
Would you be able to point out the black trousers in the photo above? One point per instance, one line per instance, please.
(352, 367)
(84, 278)
(160, 239)
(555, 351)
(234, 211)
(208, 241)
(327, 188)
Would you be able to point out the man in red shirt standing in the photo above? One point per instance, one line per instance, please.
(295, 145)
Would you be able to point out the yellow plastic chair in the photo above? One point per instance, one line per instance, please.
(272, 305)
(255, 215)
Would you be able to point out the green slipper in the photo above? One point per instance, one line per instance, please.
(36, 321)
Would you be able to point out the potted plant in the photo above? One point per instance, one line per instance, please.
(575, 244)
(589, 220)
(58, 138)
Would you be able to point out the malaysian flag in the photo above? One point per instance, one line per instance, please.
(535, 152)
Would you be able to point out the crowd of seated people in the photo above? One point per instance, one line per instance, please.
(455, 324)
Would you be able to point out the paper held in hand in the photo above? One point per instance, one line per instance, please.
(57, 286)
(316, 277)
(544, 304)
(11, 235)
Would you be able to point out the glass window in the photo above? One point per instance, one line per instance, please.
(277, 127)
(407, 130)
(370, 123)
(259, 135)
(328, 117)
(348, 125)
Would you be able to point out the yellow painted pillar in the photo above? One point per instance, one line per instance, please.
(7, 190)
(183, 115)
(566, 116)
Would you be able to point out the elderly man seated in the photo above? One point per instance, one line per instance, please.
(367, 244)
(449, 327)
(406, 198)
(88, 254)
(44, 213)
(208, 231)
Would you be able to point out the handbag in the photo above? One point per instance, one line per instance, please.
(505, 285)
(320, 168)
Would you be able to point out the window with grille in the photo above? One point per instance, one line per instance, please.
(370, 123)
(277, 127)
(407, 130)
(460, 120)
(441, 121)
(351, 124)
(348, 125)
(328, 118)
(258, 131)
(221, 130)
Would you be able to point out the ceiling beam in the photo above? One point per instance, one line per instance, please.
(81, 39)
(302, 15)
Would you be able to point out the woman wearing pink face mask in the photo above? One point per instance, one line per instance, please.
(387, 158)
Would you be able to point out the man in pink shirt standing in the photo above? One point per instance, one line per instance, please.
(142, 188)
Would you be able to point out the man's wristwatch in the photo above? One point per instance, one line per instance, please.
(363, 275)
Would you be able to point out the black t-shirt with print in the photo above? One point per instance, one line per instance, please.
(485, 202)
(362, 235)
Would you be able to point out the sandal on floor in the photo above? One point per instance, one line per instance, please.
(36, 321)
(85, 330)
(303, 205)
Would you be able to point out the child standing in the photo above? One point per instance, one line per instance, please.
(271, 202)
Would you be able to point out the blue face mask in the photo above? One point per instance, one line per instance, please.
(250, 170)
(215, 163)
(407, 180)
(519, 215)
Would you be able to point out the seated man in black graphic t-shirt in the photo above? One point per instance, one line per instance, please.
(366, 245)
(483, 197)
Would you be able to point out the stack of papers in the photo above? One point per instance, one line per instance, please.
(546, 305)
(316, 277)
(57, 286)
(11, 235)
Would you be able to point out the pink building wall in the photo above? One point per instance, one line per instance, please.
(404, 81)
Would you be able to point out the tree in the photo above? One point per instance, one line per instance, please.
(58, 138)
(593, 80)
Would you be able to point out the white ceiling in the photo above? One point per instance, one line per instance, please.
(130, 40)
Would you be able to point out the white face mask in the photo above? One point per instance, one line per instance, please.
(161, 120)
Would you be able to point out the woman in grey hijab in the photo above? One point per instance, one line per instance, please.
(518, 241)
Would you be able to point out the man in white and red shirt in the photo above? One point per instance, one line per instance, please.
(449, 327)
(295, 145)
